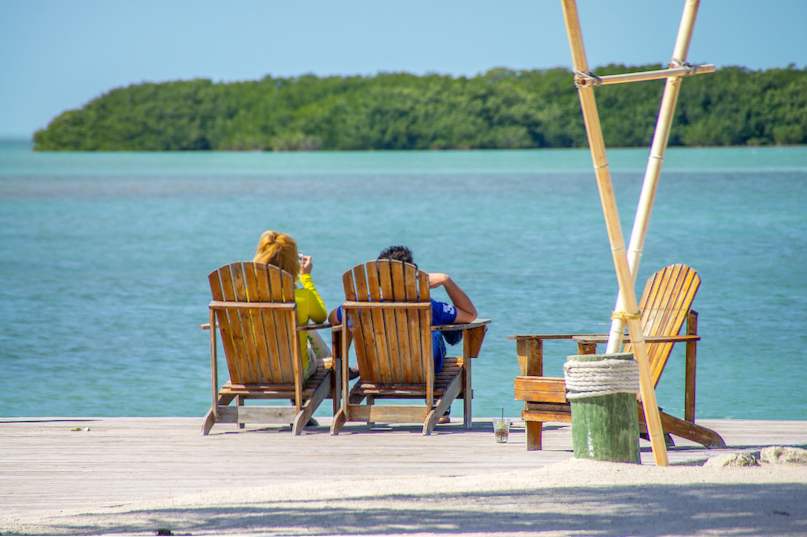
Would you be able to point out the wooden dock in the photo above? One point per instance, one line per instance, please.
(60, 465)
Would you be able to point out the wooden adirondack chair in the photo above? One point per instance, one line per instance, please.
(388, 313)
(665, 305)
(253, 307)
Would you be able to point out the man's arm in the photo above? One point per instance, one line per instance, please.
(466, 311)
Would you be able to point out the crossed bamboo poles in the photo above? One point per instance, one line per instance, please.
(626, 264)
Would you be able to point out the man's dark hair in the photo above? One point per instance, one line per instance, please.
(397, 253)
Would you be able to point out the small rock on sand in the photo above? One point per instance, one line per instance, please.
(783, 455)
(732, 459)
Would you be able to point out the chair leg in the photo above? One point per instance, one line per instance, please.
(210, 420)
(669, 442)
(338, 421)
(301, 419)
(370, 402)
(534, 435)
(336, 386)
(691, 431)
(210, 417)
(310, 406)
(239, 401)
(355, 397)
(443, 404)
(467, 395)
(430, 422)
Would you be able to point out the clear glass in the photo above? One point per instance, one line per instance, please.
(501, 429)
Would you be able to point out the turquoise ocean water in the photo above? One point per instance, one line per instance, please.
(104, 258)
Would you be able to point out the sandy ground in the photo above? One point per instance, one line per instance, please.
(575, 497)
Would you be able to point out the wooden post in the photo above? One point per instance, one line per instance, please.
(345, 364)
(336, 374)
(596, 143)
(605, 427)
(297, 364)
(585, 347)
(691, 366)
(239, 401)
(661, 137)
(214, 366)
(429, 369)
(531, 362)
(467, 391)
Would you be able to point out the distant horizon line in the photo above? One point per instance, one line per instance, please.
(22, 139)
(790, 65)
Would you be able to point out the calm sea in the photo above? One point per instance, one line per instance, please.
(104, 259)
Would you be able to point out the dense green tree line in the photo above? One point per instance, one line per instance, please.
(501, 108)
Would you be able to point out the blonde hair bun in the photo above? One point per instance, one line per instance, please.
(278, 249)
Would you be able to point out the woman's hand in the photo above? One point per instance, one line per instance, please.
(306, 264)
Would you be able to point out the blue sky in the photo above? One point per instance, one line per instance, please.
(58, 54)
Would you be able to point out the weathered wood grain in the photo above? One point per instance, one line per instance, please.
(388, 310)
(47, 467)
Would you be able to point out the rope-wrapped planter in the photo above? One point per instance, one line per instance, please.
(601, 389)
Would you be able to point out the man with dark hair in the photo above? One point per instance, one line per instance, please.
(460, 310)
(397, 253)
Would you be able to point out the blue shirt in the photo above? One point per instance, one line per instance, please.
(442, 313)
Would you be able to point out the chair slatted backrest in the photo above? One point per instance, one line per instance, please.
(665, 304)
(393, 345)
(260, 344)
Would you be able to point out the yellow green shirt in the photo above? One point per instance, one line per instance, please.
(310, 307)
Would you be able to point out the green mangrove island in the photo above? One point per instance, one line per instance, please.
(499, 109)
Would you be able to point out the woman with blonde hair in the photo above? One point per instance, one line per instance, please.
(280, 250)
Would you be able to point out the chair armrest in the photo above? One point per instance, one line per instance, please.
(649, 339)
(303, 328)
(541, 337)
(313, 326)
(336, 341)
(529, 348)
(462, 326)
(473, 334)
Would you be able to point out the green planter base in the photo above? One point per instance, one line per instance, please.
(606, 427)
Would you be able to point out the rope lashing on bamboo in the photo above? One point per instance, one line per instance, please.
(691, 69)
(582, 79)
(604, 377)
(625, 316)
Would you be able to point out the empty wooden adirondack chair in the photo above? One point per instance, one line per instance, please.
(254, 310)
(665, 305)
(388, 313)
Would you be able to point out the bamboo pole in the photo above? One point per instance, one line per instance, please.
(654, 164)
(596, 143)
(642, 76)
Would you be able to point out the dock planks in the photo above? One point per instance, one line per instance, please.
(47, 467)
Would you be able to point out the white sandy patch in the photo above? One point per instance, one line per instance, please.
(569, 498)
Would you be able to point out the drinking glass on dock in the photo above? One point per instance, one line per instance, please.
(501, 429)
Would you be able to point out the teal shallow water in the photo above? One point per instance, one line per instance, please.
(104, 258)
